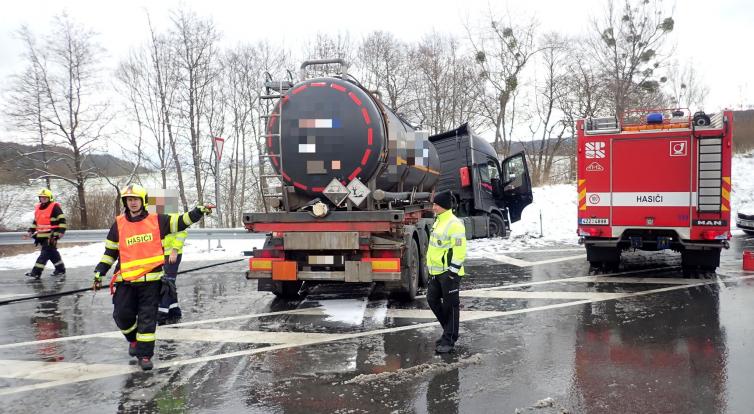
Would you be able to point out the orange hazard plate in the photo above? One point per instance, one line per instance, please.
(284, 270)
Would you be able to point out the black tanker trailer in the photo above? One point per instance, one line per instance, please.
(352, 183)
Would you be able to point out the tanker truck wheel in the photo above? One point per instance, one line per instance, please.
(409, 284)
(498, 227)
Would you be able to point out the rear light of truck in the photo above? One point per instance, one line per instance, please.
(714, 235)
(384, 264)
(262, 264)
(590, 231)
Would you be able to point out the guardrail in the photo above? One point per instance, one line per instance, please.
(95, 236)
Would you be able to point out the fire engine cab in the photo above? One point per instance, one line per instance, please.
(654, 180)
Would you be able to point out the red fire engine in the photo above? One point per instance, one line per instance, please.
(654, 180)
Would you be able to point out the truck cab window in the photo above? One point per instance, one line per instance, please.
(514, 169)
(484, 173)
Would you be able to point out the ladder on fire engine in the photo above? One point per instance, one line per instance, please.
(710, 180)
(271, 105)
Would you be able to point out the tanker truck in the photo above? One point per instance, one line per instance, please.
(351, 185)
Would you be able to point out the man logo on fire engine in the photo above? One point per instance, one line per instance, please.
(594, 149)
(678, 148)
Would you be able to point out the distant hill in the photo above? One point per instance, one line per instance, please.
(15, 169)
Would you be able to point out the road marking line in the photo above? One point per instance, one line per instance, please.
(58, 371)
(13, 295)
(517, 294)
(524, 263)
(250, 337)
(638, 280)
(337, 337)
(406, 313)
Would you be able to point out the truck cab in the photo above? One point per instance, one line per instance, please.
(491, 193)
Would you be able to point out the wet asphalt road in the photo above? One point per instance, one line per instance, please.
(542, 334)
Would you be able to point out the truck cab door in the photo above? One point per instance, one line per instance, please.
(516, 185)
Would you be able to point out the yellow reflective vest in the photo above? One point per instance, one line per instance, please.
(447, 240)
(174, 241)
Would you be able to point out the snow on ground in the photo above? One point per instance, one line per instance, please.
(549, 220)
(350, 311)
(89, 255)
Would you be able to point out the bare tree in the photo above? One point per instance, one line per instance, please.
(27, 98)
(195, 45)
(326, 46)
(386, 67)
(686, 89)
(246, 66)
(138, 85)
(628, 45)
(548, 128)
(502, 50)
(66, 70)
(444, 83)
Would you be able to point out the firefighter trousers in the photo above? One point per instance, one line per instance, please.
(135, 313)
(47, 253)
(169, 295)
(443, 299)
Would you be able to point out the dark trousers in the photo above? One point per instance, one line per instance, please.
(169, 296)
(135, 313)
(442, 297)
(47, 253)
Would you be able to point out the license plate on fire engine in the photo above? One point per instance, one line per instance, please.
(594, 221)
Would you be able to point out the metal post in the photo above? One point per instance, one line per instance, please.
(541, 232)
(218, 154)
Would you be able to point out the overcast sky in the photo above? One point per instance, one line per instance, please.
(718, 35)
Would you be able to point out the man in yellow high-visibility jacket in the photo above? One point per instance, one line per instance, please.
(169, 310)
(445, 256)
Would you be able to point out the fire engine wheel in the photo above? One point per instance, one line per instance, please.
(700, 264)
(287, 290)
(498, 227)
(409, 284)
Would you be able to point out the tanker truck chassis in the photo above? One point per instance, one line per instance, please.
(386, 247)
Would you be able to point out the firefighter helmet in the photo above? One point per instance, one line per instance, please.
(134, 190)
(45, 193)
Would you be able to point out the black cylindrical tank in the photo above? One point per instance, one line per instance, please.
(333, 128)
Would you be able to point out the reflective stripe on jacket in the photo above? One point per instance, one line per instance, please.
(43, 217)
(140, 249)
(448, 239)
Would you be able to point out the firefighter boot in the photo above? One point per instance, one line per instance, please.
(145, 363)
(132, 348)
(57, 272)
(32, 274)
(444, 348)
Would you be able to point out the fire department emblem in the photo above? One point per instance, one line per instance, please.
(595, 166)
(594, 149)
(678, 149)
(594, 199)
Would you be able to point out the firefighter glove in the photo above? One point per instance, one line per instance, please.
(206, 209)
(97, 283)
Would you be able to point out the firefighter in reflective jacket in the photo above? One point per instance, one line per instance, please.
(445, 256)
(49, 225)
(173, 246)
(135, 241)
